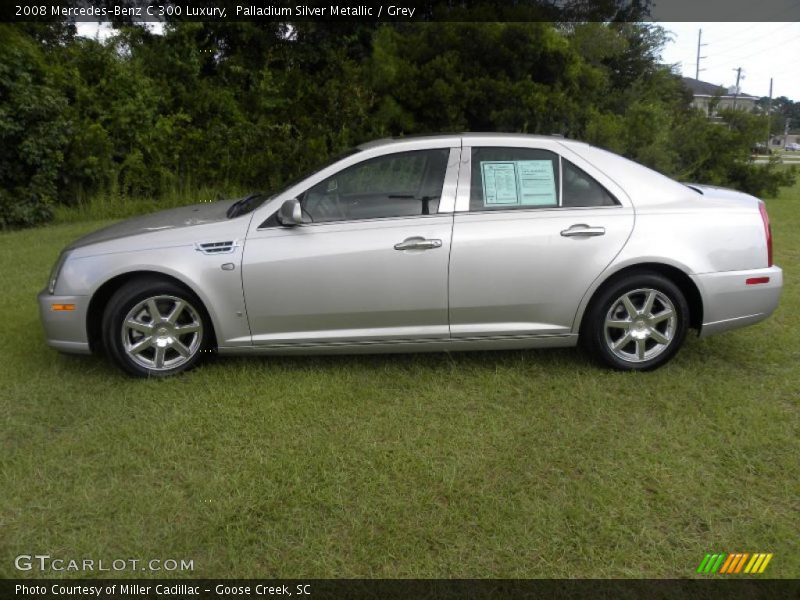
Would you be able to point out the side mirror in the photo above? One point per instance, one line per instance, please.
(290, 213)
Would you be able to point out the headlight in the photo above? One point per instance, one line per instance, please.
(51, 286)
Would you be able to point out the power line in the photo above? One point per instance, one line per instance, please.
(758, 38)
(779, 65)
(723, 58)
(732, 35)
(757, 52)
(786, 69)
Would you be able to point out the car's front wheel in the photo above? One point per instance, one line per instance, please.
(155, 328)
(636, 323)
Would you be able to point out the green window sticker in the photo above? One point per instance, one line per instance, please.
(499, 183)
(537, 182)
(518, 182)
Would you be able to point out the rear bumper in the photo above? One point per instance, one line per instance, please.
(729, 302)
(65, 330)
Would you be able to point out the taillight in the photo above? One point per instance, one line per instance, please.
(762, 208)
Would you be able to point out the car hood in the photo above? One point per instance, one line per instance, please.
(174, 218)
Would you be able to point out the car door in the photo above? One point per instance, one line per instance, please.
(368, 266)
(532, 231)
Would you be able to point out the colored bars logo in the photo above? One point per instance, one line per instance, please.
(732, 564)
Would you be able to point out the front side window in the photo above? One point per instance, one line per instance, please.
(509, 178)
(404, 184)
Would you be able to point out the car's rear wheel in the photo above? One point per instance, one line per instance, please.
(636, 323)
(155, 328)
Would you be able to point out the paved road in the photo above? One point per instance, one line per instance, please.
(787, 160)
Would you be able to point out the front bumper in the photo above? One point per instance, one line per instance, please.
(65, 330)
(730, 302)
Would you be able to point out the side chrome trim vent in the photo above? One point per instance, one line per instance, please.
(216, 247)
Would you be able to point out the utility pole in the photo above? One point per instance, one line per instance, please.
(697, 68)
(769, 120)
(736, 91)
(786, 132)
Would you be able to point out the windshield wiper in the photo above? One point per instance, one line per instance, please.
(245, 205)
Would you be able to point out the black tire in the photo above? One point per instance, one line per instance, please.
(179, 344)
(645, 349)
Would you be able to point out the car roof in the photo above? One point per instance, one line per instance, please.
(466, 136)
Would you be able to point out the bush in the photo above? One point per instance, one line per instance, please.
(762, 180)
(33, 132)
(719, 153)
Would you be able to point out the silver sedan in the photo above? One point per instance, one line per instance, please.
(450, 242)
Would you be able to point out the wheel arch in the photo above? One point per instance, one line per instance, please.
(677, 275)
(101, 296)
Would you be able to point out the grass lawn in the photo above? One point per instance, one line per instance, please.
(507, 464)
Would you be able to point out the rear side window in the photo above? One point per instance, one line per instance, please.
(579, 189)
(513, 178)
(524, 178)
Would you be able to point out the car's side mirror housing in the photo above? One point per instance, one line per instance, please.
(290, 213)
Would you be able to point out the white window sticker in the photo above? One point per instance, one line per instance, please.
(518, 182)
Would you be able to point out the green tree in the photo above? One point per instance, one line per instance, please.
(33, 131)
(478, 76)
(234, 105)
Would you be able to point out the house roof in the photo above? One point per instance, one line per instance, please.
(703, 88)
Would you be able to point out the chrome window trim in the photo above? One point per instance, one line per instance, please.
(516, 211)
(354, 222)
(464, 180)
(380, 220)
(447, 199)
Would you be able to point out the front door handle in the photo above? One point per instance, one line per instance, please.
(418, 243)
(583, 230)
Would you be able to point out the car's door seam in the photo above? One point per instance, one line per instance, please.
(452, 236)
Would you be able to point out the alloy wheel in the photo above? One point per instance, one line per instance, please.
(162, 332)
(640, 325)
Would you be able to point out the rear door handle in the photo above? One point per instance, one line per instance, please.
(418, 243)
(583, 230)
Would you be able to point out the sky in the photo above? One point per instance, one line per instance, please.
(763, 50)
